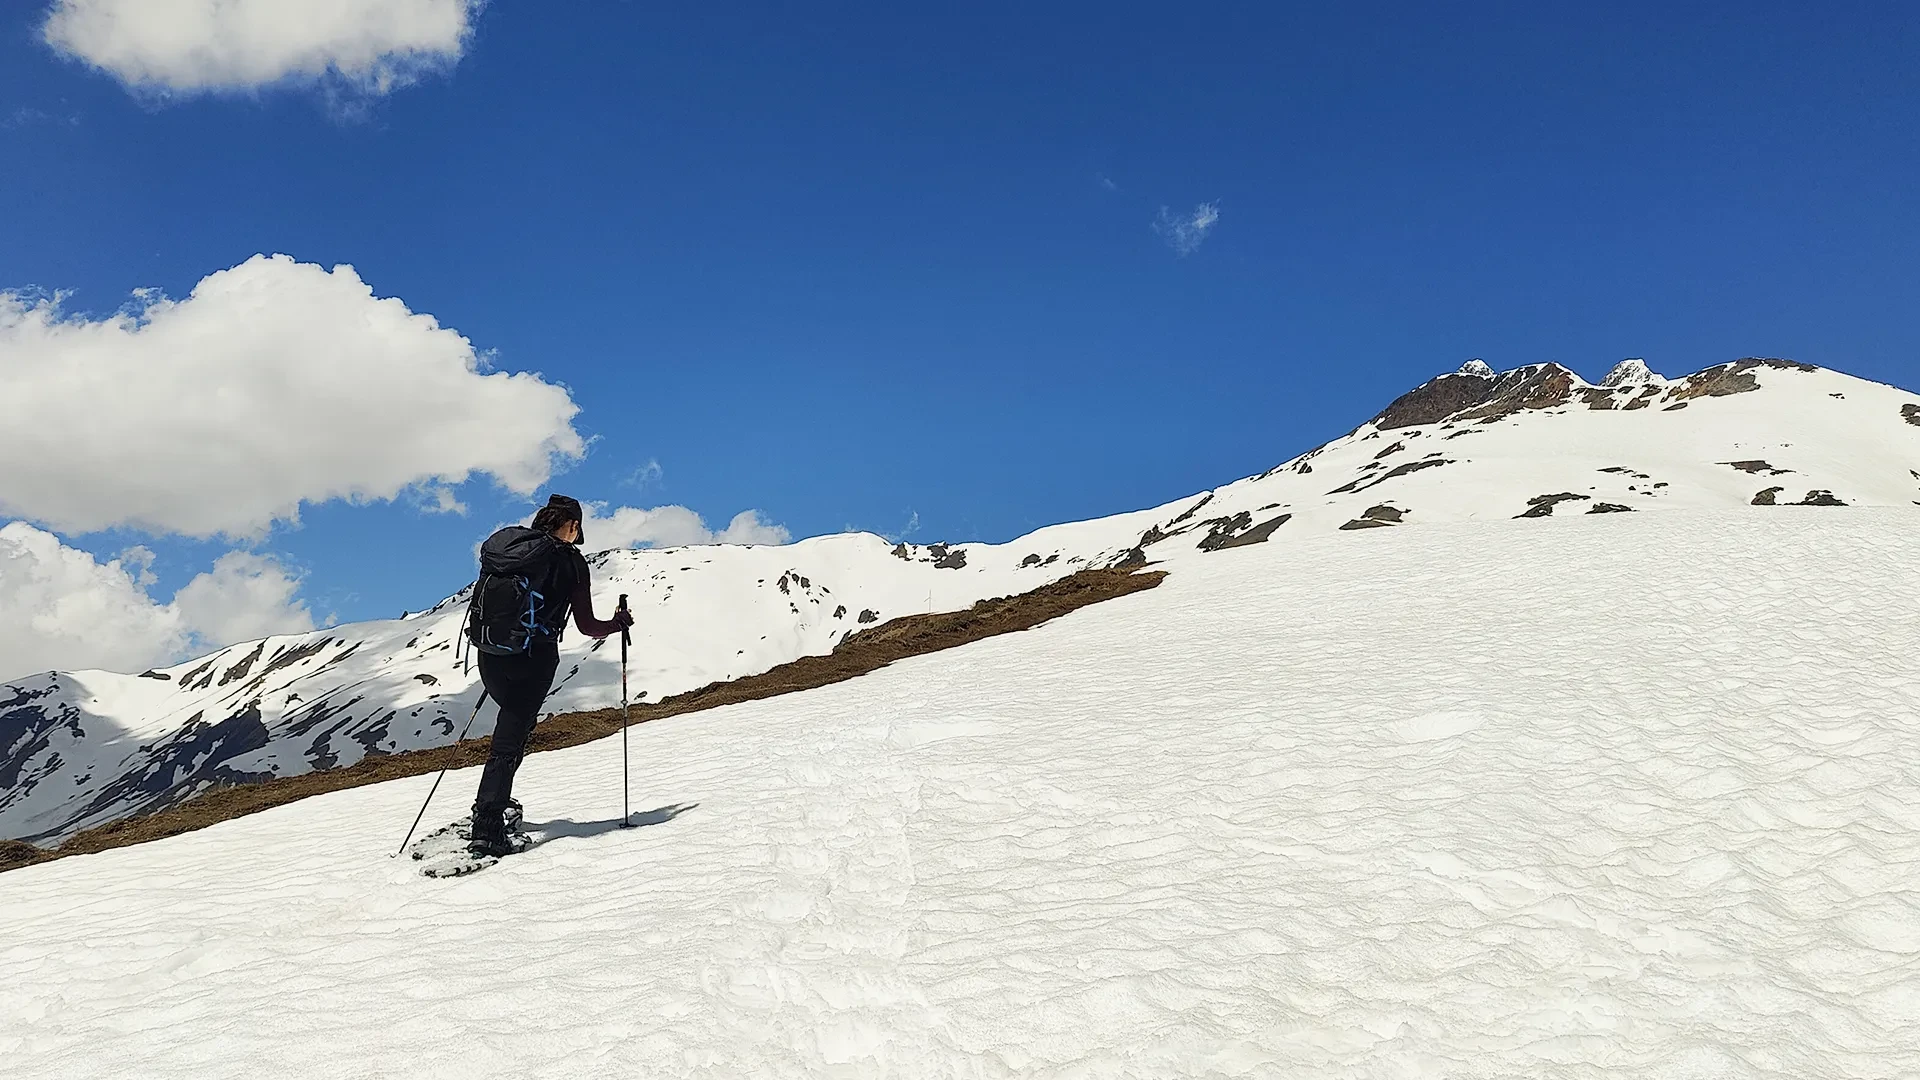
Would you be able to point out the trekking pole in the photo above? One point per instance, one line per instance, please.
(626, 638)
(443, 772)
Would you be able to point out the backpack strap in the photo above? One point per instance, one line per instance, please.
(530, 619)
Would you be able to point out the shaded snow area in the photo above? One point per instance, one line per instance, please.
(1617, 796)
(83, 749)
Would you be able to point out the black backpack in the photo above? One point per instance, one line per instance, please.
(517, 600)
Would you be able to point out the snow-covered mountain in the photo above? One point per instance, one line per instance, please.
(79, 749)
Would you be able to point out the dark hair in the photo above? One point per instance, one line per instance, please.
(559, 510)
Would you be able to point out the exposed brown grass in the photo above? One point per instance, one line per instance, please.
(868, 650)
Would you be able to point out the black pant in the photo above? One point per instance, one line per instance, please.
(518, 684)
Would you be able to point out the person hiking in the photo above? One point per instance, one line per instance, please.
(530, 577)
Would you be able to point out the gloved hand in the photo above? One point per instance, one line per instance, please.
(623, 617)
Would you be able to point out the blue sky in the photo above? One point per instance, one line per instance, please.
(856, 267)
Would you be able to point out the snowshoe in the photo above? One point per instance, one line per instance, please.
(448, 850)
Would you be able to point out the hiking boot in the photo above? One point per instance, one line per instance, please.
(513, 817)
(489, 836)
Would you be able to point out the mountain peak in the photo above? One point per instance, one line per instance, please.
(1476, 391)
(1632, 371)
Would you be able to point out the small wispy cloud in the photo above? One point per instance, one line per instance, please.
(433, 498)
(645, 476)
(912, 526)
(1184, 233)
(24, 117)
(1107, 182)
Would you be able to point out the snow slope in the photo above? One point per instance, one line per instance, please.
(81, 749)
(1601, 797)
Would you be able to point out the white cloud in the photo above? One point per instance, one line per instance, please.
(672, 526)
(1184, 233)
(245, 596)
(275, 383)
(191, 46)
(666, 526)
(60, 608)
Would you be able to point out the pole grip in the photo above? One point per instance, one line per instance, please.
(625, 636)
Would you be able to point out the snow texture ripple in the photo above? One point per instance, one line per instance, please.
(1630, 795)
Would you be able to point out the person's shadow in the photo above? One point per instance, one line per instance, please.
(567, 827)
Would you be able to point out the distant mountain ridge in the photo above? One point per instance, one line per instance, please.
(1477, 392)
(79, 749)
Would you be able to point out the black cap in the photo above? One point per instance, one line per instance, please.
(567, 508)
